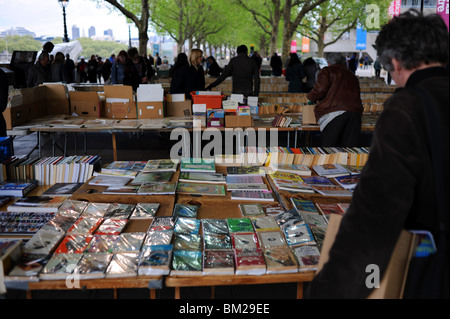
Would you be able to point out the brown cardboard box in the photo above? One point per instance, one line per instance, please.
(176, 109)
(308, 114)
(23, 108)
(238, 121)
(124, 108)
(56, 99)
(85, 103)
(150, 110)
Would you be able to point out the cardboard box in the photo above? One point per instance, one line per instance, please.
(215, 122)
(120, 103)
(150, 92)
(175, 97)
(150, 110)
(176, 109)
(56, 99)
(308, 114)
(23, 108)
(85, 103)
(238, 121)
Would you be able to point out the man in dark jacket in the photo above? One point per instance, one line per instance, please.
(397, 186)
(40, 71)
(136, 69)
(245, 74)
(339, 108)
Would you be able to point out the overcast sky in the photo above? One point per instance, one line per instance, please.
(44, 17)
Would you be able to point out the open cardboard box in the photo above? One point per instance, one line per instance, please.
(85, 103)
(238, 121)
(120, 103)
(308, 114)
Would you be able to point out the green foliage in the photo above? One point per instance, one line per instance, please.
(19, 43)
(103, 49)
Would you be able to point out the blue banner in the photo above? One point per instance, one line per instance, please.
(361, 37)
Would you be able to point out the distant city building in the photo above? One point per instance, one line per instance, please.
(108, 32)
(75, 32)
(91, 31)
(20, 31)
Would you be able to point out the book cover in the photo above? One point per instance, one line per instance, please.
(249, 210)
(111, 226)
(245, 171)
(195, 177)
(155, 238)
(250, 262)
(185, 210)
(37, 204)
(152, 177)
(157, 188)
(273, 209)
(162, 223)
(330, 170)
(319, 234)
(123, 265)
(43, 241)
(62, 189)
(60, 266)
(101, 244)
(214, 226)
(302, 170)
(129, 242)
(93, 266)
(314, 219)
(218, 262)
(333, 190)
(161, 165)
(16, 188)
(303, 205)
(299, 235)
(280, 260)
(145, 210)
(240, 179)
(185, 225)
(73, 244)
(122, 190)
(289, 218)
(347, 181)
(127, 165)
(272, 239)
(109, 180)
(247, 187)
(264, 223)
(197, 165)
(252, 195)
(119, 211)
(216, 241)
(329, 208)
(72, 207)
(317, 181)
(239, 225)
(201, 189)
(248, 241)
(27, 268)
(308, 257)
(96, 210)
(187, 242)
(155, 260)
(85, 225)
(60, 223)
(187, 263)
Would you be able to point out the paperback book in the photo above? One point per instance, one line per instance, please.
(17, 188)
(252, 195)
(129, 242)
(218, 262)
(208, 178)
(98, 210)
(243, 179)
(214, 226)
(119, 211)
(333, 190)
(44, 204)
(187, 263)
(155, 260)
(161, 165)
(250, 262)
(185, 210)
(157, 188)
(187, 242)
(264, 223)
(73, 244)
(299, 235)
(303, 205)
(247, 187)
(155, 238)
(280, 260)
(60, 266)
(216, 241)
(330, 170)
(101, 244)
(85, 225)
(123, 265)
(93, 266)
(245, 171)
(288, 219)
(27, 268)
(152, 177)
(62, 189)
(302, 170)
(272, 239)
(240, 225)
(308, 257)
(111, 226)
(122, 190)
(198, 165)
(249, 210)
(43, 241)
(185, 225)
(347, 181)
(145, 210)
(248, 241)
(109, 180)
(162, 223)
(201, 189)
(127, 165)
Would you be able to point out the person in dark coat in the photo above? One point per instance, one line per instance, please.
(244, 73)
(311, 70)
(58, 69)
(70, 68)
(276, 64)
(92, 68)
(295, 74)
(397, 189)
(214, 70)
(179, 75)
(40, 71)
(196, 72)
(136, 69)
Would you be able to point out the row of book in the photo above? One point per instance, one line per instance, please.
(308, 156)
(90, 236)
(51, 170)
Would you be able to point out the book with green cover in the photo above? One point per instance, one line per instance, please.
(197, 165)
(201, 189)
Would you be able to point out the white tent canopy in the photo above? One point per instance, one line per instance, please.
(72, 48)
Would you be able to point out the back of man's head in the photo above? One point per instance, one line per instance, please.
(334, 58)
(242, 49)
(413, 39)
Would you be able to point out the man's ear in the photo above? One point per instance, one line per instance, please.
(397, 65)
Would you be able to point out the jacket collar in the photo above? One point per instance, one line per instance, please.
(423, 74)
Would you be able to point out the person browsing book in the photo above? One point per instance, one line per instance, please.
(397, 188)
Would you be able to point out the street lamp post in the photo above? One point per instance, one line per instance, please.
(64, 4)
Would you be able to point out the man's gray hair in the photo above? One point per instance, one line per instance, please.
(334, 58)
